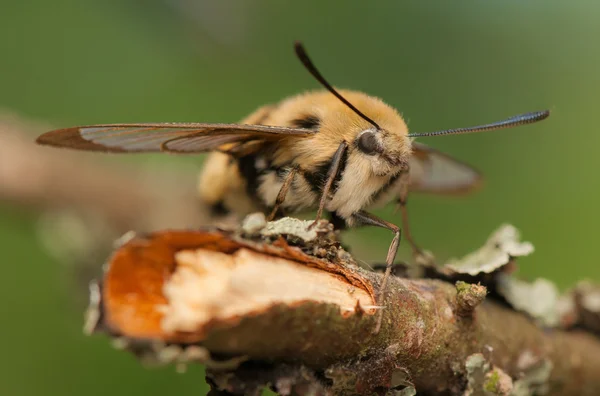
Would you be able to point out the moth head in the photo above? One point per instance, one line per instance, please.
(383, 150)
(383, 144)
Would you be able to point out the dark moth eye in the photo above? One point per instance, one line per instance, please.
(368, 144)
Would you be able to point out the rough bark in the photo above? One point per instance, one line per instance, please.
(300, 316)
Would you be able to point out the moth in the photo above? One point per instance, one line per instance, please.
(334, 150)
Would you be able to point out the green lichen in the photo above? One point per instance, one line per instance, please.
(492, 381)
(483, 379)
(462, 287)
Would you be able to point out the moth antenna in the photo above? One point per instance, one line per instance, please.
(303, 56)
(522, 119)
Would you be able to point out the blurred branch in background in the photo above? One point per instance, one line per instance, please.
(47, 179)
(85, 201)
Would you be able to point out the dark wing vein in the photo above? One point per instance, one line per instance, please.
(170, 137)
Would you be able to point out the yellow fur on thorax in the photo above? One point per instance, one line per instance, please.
(337, 123)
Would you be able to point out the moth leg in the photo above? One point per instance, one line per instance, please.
(418, 253)
(366, 218)
(285, 187)
(332, 173)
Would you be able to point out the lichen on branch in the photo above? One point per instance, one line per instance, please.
(269, 303)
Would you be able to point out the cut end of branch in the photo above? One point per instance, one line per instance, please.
(177, 286)
(209, 286)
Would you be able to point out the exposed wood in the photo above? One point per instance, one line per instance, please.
(273, 305)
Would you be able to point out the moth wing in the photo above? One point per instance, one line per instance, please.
(166, 137)
(432, 171)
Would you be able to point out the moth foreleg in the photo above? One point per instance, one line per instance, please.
(285, 187)
(332, 173)
(366, 218)
(418, 253)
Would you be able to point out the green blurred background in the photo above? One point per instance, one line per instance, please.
(442, 64)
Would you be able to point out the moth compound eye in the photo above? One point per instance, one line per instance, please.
(368, 143)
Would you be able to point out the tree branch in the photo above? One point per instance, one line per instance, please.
(294, 310)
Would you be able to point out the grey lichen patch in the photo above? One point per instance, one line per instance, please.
(484, 380)
(567, 311)
(301, 229)
(590, 296)
(123, 239)
(400, 383)
(158, 353)
(93, 314)
(477, 367)
(408, 391)
(500, 248)
(400, 377)
(254, 223)
(586, 306)
(317, 239)
(468, 297)
(534, 380)
(539, 299)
